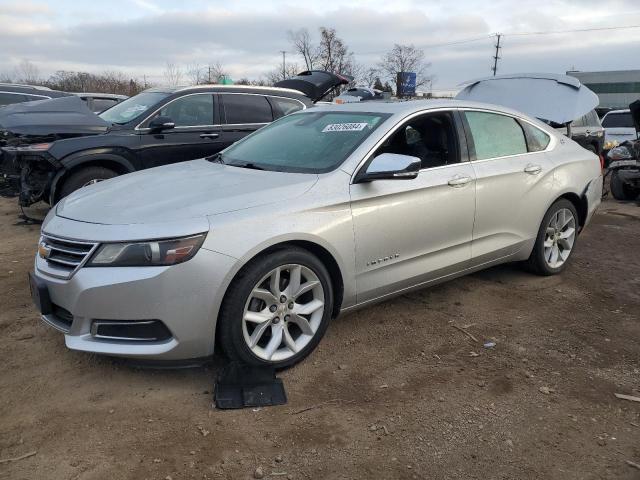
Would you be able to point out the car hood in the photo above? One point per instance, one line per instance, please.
(547, 96)
(64, 115)
(181, 191)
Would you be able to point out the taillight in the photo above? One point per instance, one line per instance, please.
(601, 161)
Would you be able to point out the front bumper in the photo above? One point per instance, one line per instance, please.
(185, 298)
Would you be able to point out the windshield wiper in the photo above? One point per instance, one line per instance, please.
(215, 158)
(250, 165)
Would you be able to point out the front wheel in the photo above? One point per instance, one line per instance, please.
(556, 239)
(277, 309)
(85, 176)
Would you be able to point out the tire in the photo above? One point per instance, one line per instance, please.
(539, 261)
(82, 177)
(619, 190)
(236, 333)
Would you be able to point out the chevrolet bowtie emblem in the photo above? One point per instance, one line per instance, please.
(44, 251)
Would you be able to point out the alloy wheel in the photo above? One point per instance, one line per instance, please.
(283, 312)
(559, 238)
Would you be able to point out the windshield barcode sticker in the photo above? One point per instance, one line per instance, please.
(345, 127)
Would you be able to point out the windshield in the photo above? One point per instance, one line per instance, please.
(618, 120)
(132, 107)
(313, 142)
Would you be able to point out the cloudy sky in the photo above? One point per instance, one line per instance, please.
(139, 37)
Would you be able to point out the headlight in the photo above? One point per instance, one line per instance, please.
(147, 254)
(35, 147)
(619, 153)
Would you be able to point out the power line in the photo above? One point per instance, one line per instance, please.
(554, 32)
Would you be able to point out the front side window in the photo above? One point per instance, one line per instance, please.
(133, 107)
(188, 111)
(495, 135)
(431, 137)
(309, 142)
(617, 120)
(241, 108)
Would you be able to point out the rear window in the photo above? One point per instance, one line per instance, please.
(101, 104)
(618, 120)
(285, 106)
(241, 108)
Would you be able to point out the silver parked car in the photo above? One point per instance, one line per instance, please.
(323, 211)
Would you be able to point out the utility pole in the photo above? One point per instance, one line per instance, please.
(497, 55)
(284, 68)
(209, 75)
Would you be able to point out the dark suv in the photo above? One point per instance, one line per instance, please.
(53, 148)
(587, 131)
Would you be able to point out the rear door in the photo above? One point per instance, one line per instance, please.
(242, 114)
(196, 134)
(513, 175)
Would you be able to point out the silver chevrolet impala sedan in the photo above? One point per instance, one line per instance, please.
(321, 212)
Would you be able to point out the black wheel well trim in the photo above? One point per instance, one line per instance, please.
(326, 257)
(580, 203)
(114, 162)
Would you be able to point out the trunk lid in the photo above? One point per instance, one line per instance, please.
(547, 96)
(315, 84)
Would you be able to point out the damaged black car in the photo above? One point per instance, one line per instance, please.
(51, 148)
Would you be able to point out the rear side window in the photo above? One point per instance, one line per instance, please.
(284, 106)
(495, 135)
(240, 108)
(618, 120)
(537, 140)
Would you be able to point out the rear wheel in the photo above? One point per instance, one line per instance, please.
(277, 309)
(620, 190)
(556, 239)
(83, 177)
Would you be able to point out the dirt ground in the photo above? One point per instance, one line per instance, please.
(396, 390)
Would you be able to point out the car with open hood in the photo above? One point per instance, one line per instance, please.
(323, 211)
(52, 148)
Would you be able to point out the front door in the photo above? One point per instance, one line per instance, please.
(410, 232)
(195, 134)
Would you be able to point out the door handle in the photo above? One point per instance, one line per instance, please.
(459, 181)
(532, 169)
(209, 135)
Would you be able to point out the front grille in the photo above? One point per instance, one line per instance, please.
(62, 256)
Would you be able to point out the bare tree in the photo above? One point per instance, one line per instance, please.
(276, 74)
(195, 74)
(172, 74)
(27, 72)
(107, 82)
(5, 78)
(405, 58)
(303, 45)
(214, 72)
(370, 75)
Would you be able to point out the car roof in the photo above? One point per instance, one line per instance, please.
(32, 90)
(100, 95)
(412, 106)
(227, 88)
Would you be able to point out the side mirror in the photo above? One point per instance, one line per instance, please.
(391, 166)
(161, 123)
